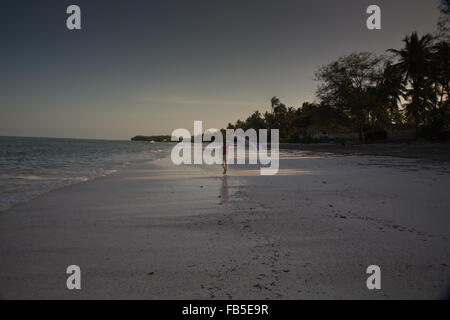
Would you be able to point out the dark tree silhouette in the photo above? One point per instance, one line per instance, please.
(414, 63)
(274, 102)
(348, 83)
(364, 92)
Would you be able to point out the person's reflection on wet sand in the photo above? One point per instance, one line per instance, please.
(224, 189)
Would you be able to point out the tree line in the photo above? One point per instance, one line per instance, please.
(369, 94)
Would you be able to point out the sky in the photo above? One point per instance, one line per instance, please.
(149, 67)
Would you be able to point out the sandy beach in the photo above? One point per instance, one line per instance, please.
(158, 231)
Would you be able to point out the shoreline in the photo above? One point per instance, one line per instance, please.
(413, 150)
(435, 152)
(306, 233)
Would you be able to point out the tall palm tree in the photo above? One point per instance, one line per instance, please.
(441, 70)
(274, 102)
(390, 90)
(415, 56)
(414, 63)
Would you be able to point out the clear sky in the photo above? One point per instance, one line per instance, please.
(148, 67)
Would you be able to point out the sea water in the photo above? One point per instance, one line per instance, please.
(30, 167)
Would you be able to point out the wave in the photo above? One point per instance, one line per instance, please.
(20, 192)
(31, 167)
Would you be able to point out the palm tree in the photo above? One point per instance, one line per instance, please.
(415, 56)
(441, 70)
(414, 63)
(274, 102)
(390, 90)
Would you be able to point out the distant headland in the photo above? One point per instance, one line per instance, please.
(152, 138)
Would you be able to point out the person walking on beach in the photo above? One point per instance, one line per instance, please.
(224, 164)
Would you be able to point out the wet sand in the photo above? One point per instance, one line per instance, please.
(158, 231)
(438, 151)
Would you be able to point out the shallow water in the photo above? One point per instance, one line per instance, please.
(33, 166)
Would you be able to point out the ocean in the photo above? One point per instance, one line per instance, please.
(30, 167)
